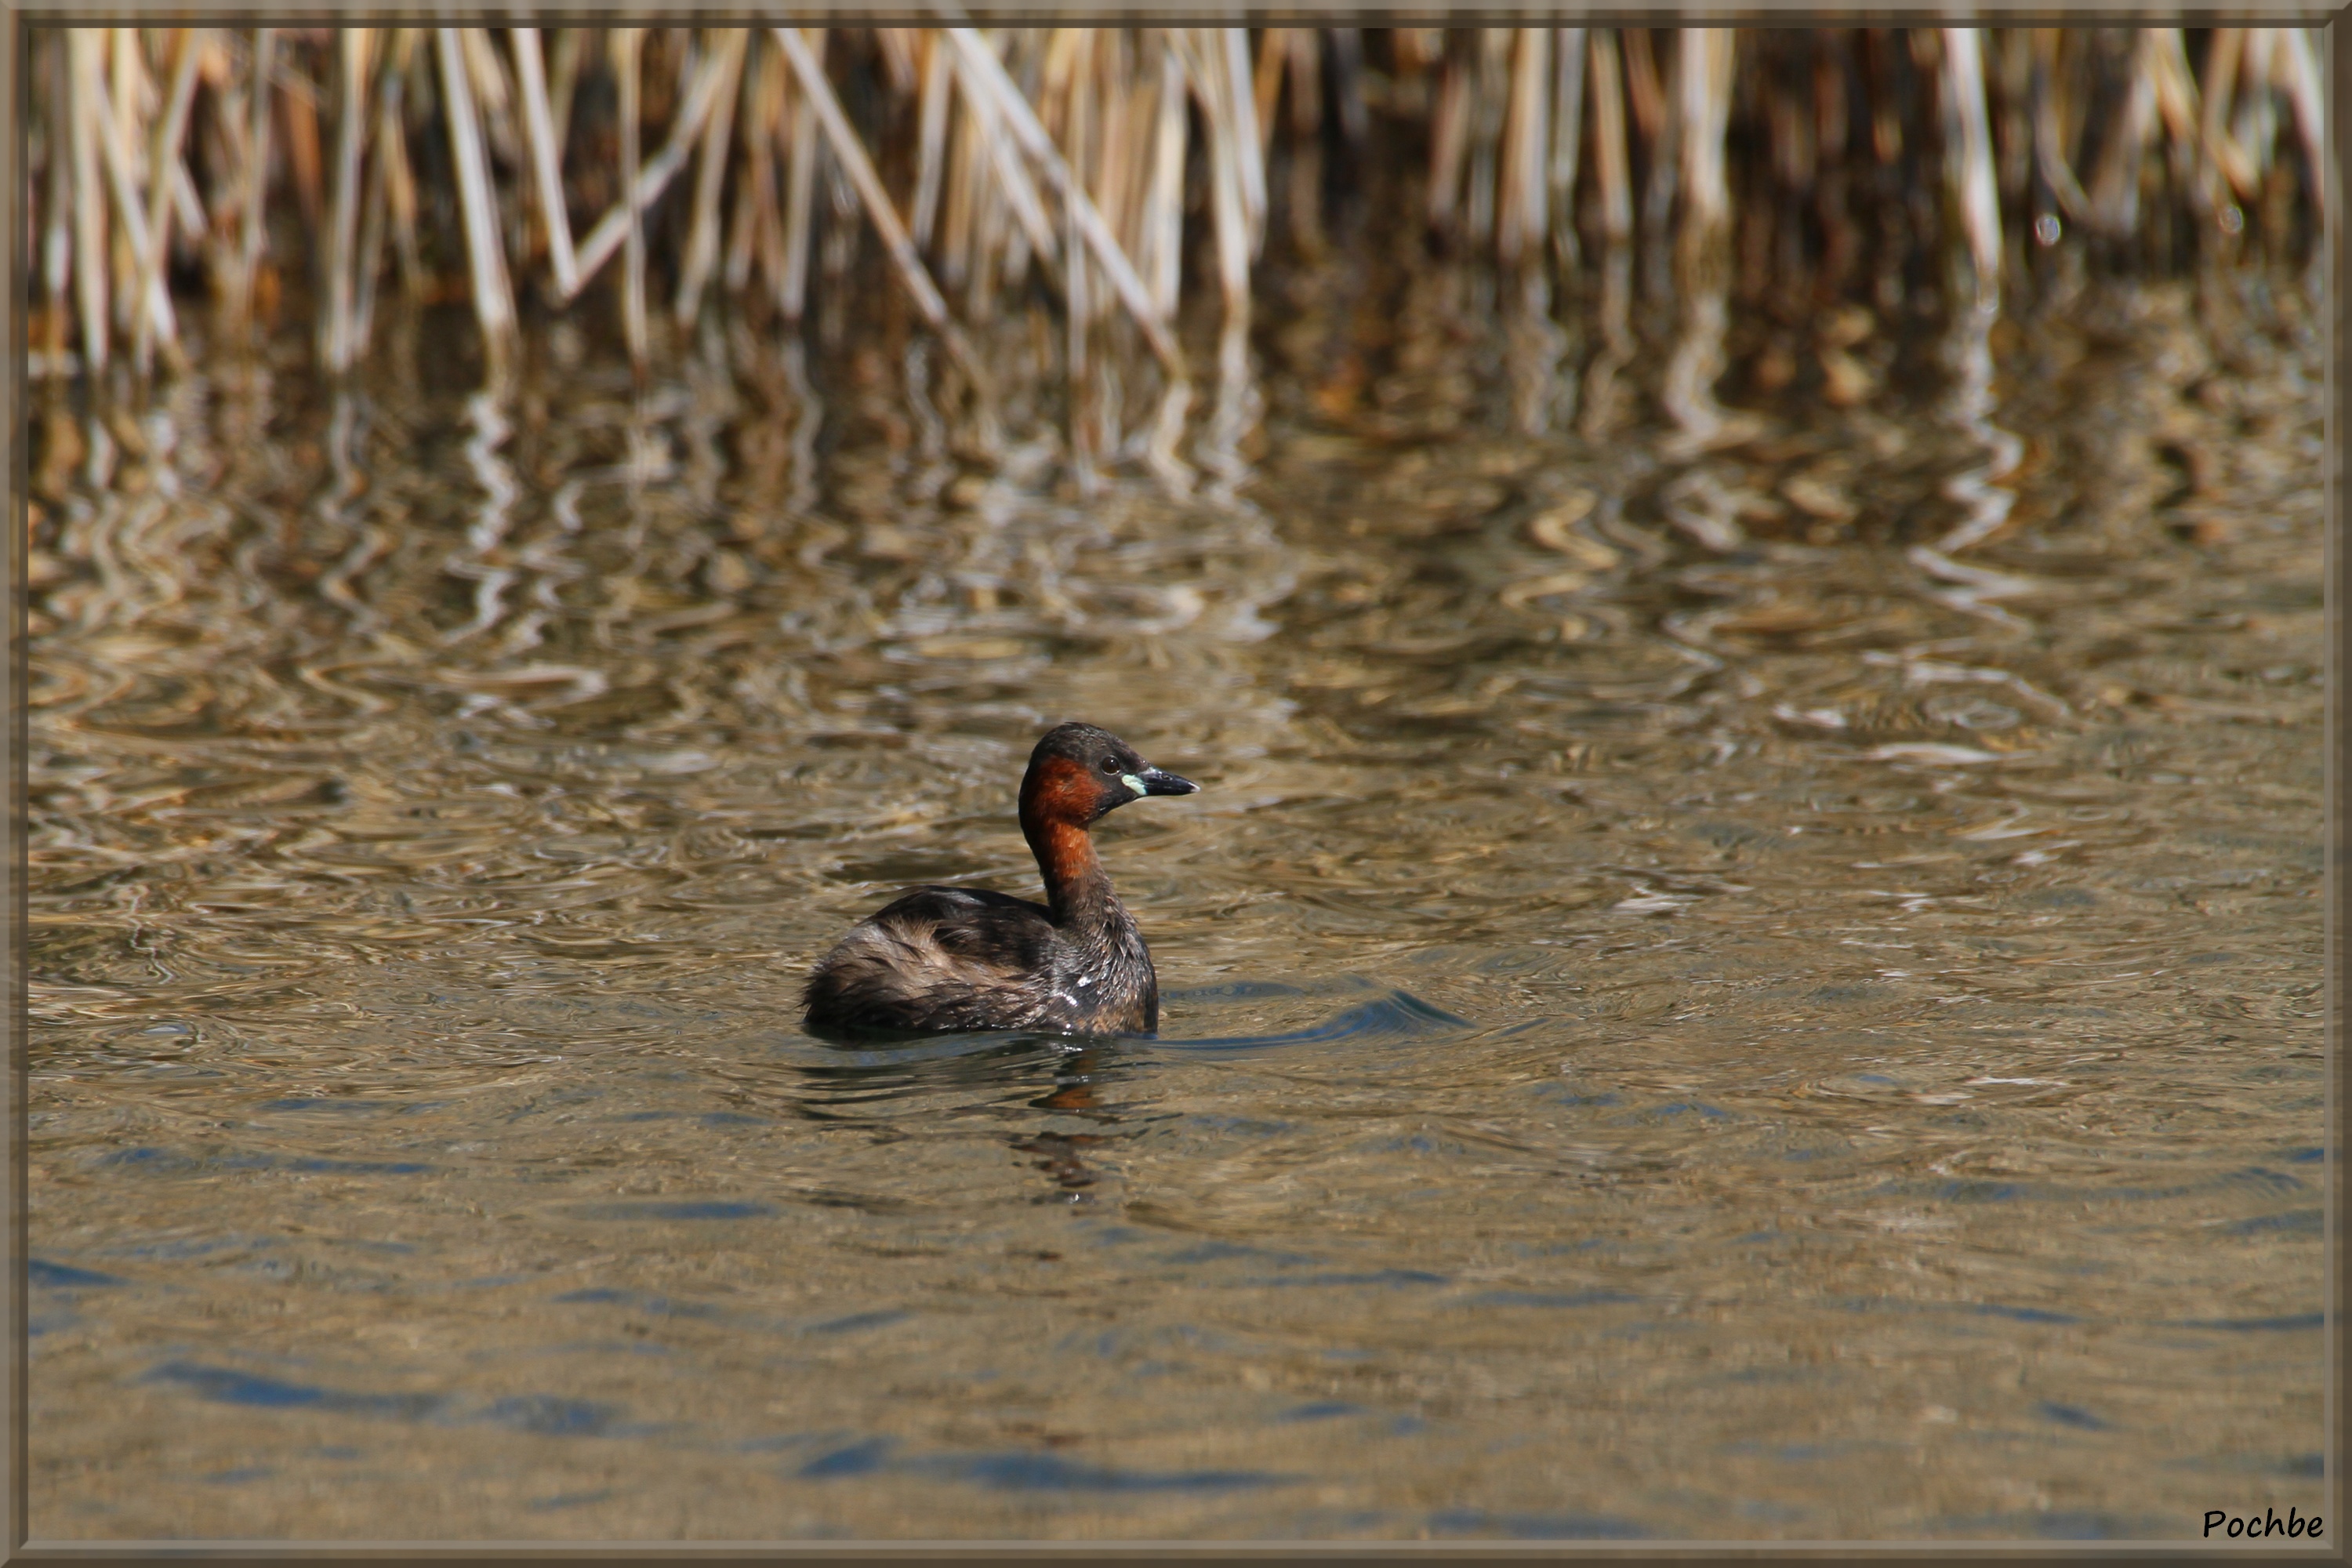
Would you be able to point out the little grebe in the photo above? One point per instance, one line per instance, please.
(965, 958)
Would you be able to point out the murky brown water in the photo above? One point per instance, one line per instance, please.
(1685, 1018)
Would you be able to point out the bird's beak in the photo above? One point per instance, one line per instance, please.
(1155, 781)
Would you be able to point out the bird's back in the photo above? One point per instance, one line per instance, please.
(941, 959)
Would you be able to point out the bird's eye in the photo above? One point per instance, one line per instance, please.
(1110, 765)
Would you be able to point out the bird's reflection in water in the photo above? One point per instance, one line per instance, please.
(1061, 1155)
(880, 1081)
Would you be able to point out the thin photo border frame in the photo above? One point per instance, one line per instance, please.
(16, 22)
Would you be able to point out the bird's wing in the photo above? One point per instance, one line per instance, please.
(937, 958)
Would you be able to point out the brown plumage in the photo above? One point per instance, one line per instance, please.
(941, 959)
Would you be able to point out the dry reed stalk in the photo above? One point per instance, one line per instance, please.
(1266, 85)
(901, 55)
(628, 59)
(298, 107)
(931, 139)
(1832, 134)
(131, 228)
(221, 153)
(800, 197)
(1567, 133)
(255, 189)
(1657, 115)
(338, 342)
(1130, 92)
(376, 204)
(901, 50)
(1112, 107)
(1645, 94)
(1130, 87)
(1065, 49)
(1115, 100)
(1248, 149)
(1704, 68)
(1347, 78)
(1122, 108)
(1304, 53)
(648, 181)
(818, 92)
(2050, 138)
(1228, 206)
(984, 77)
(1164, 211)
(2176, 103)
(2115, 194)
(492, 96)
(1520, 217)
(1024, 53)
(2011, 55)
(995, 236)
(126, 85)
(1775, 243)
(563, 80)
(961, 196)
(1077, 314)
(2181, 104)
(1449, 141)
(187, 204)
(2298, 78)
(1080, 138)
(211, 66)
(163, 159)
(546, 160)
(1417, 48)
(2255, 127)
(1886, 105)
(1490, 100)
(1018, 191)
(2074, 72)
(1704, 64)
(1161, 228)
(841, 232)
(2235, 105)
(755, 194)
(1061, 67)
(399, 179)
(56, 238)
(769, 236)
(1611, 166)
(718, 126)
(90, 269)
(1214, 87)
(1967, 159)
(2223, 161)
(484, 256)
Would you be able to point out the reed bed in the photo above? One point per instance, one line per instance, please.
(1136, 180)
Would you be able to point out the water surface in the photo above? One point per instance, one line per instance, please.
(1700, 1002)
